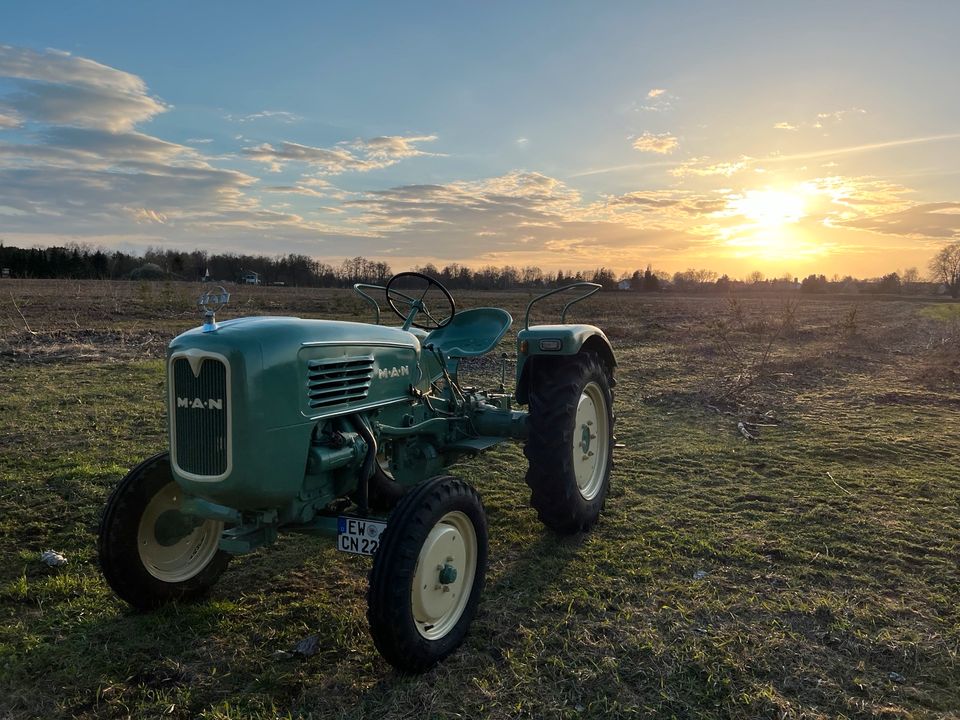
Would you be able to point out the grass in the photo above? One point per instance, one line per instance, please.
(810, 573)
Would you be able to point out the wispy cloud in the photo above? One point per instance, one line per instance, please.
(661, 144)
(705, 167)
(924, 220)
(866, 147)
(278, 115)
(9, 118)
(836, 116)
(822, 120)
(348, 156)
(656, 100)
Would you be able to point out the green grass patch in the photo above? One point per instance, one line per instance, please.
(941, 311)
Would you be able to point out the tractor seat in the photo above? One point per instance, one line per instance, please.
(471, 332)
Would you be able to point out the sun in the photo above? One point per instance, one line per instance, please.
(765, 225)
(769, 208)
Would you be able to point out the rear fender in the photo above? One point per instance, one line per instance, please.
(547, 340)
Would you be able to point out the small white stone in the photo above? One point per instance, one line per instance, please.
(53, 558)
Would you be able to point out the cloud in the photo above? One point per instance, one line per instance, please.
(821, 120)
(704, 167)
(674, 200)
(9, 118)
(939, 221)
(662, 144)
(349, 156)
(657, 100)
(836, 116)
(145, 215)
(58, 88)
(513, 218)
(392, 147)
(328, 160)
(279, 115)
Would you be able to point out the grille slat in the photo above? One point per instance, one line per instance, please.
(200, 415)
(337, 381)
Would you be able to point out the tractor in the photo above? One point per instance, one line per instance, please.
(345, 430)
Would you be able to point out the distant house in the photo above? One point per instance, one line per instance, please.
(624, 285)
(5, 272)
(250, 278)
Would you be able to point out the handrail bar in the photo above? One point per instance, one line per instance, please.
(563, 314)
(376, 306)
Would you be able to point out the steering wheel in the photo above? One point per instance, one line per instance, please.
(416, 304)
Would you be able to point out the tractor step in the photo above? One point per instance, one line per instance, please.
(477, 444)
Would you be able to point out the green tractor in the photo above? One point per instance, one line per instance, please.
(344, 429)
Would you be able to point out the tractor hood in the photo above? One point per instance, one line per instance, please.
(292, 369)
(287, 331)
(244, 399)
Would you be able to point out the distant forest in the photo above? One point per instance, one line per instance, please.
(82, 262)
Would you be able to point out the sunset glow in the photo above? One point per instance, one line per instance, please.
(769, 208)
(801, 147)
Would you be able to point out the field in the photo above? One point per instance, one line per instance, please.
(782, 537)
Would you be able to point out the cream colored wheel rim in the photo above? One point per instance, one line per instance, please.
(591, 444)
(183, 558)
(438, 605)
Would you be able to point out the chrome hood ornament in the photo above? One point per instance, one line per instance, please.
(210, 302)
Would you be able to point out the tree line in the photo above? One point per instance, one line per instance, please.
(79, 261)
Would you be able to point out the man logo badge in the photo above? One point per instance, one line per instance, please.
(198, 404)
(393, 372)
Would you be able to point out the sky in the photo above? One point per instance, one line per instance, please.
(785, 138)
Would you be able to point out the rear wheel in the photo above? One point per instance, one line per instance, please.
(428, 574)
(570, 445)
(150, 552)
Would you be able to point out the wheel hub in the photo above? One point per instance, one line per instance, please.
(585, 438)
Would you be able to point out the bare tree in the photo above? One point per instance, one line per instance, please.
(945, 268)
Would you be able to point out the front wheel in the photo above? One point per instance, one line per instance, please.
(150, 552)
(570, 443)
(428, 574)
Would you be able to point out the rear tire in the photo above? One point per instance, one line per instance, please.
(150, 554)
(570, 442)
(428, 574)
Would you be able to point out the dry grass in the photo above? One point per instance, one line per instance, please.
(812, 572)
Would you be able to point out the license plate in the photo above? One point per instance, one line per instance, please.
(359, 535)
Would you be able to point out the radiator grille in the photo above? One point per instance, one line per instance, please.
(339, 380)
(200, 417)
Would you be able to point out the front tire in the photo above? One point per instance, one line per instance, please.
(570, 443)
(428, 574)
(150, 553)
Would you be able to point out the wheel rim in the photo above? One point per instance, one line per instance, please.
(590, 441)
(446, 569)
(171, 547)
